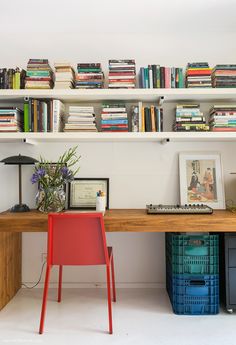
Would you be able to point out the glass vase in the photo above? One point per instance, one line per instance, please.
(51, 199)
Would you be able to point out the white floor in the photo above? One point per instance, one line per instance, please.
(140, 316)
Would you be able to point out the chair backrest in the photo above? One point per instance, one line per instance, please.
(76, 239)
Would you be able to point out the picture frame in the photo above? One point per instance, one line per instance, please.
(82, 193)
(201, 179)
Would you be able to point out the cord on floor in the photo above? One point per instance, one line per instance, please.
(40, 277)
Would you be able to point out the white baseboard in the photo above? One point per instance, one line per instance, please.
(100, 285)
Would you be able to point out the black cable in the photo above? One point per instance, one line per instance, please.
(31, 287)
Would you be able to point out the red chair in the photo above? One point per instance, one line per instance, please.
(77, 239)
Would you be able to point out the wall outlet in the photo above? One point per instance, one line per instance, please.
(44, 257)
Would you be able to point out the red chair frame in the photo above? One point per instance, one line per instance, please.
(59, 224)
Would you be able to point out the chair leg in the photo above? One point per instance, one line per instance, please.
(59, 284)
(45, 295)
(109, 299)
(113, 279)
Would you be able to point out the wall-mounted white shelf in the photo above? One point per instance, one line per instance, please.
(130, 95)
(145, 95)
(118, 137)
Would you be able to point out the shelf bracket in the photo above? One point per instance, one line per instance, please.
(161, 100)
(165, 141)
(30, 141)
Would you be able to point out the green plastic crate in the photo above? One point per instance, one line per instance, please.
(192, 254)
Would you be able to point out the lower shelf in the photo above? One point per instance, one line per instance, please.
(119, 137)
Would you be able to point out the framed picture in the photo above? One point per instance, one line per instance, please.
(83, 192)
(201, 179)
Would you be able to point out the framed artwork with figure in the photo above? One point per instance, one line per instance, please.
(201, 179)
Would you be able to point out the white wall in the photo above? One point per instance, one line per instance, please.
(165, 32)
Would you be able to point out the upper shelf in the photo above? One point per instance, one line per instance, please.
(146, 95)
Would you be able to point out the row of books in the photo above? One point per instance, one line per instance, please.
(89, 76)
(11, 119)
(80, 118)
(64, 76)
(43, 116)
(224, 76)
(222, 118)
(11, 78)
(51, 116)
(122, 74)
(39, 74)
(188, 117)
(156, 76)
(146, 119)
(114, 118)
(198, 74)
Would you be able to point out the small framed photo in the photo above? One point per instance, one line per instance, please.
(83, 192)
(201, 179)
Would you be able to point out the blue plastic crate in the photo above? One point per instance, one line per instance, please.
(195, 308)
(193, 295)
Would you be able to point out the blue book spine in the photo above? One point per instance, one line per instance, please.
(146, 77)
(114, 122)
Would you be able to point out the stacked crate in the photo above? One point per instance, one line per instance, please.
(192, 273)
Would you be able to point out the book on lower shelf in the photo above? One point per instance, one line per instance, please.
(188, 117)
(114, 118)
(222, 118)
(11, 119)
(43, 115)
(80, 119)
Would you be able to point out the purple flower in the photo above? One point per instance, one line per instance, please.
(34, 178)
(67, 174)
(64, 171)
(39, 173)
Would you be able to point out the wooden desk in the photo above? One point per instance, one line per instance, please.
(13, 224)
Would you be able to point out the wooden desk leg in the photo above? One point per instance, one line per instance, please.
(10, 265)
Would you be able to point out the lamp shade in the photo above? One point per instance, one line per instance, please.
(19, 160)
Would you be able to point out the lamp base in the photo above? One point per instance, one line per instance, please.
(20, 208)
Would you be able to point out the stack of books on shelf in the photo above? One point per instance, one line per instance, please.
(198, 74)
(122, 74)
(64, 76)
(43, 116)
(11, 119)
(156, 76)
(223, 118)
(114, 118)
(189, 118)
(80, 119)
(152, 119)
(224, 76)
(89, 76)
(12, 78)
(39, 74)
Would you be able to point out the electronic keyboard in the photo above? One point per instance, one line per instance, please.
(179, 209)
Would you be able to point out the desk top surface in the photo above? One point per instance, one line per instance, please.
(130, 220)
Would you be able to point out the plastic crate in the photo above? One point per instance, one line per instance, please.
(191, 254)
(195, 308)
(194, 295)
